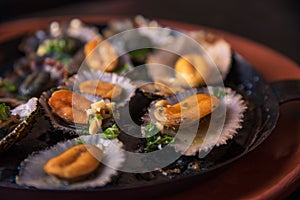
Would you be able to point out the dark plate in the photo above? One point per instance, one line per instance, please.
(262, 100)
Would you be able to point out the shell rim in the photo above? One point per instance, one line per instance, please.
(227, 133)
(71, 142)
(20, 131)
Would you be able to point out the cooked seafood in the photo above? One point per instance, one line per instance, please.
(70, 106)
(192, 70)
(62, 42)
(235, 108)
(7, 121)
(160, 89)
(184, 113)
(103, 89)
(98, 112)
(57, 46)
(16, 123)
(211, 57)
(118, 88)
(174, 107)
(208, 135)
(76, 163)
(61, 38)
(32, 169)
(216, 48)
(32, 83)
(100, 55)
(32, 76)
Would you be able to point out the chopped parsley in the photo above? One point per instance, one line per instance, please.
(79, 141)
(112, 132)
(151, 130)
(98, 116)
(63, 58)
(155, 139)
(57, 88)
(124, 68)
(8, 86)
(51, 46)
(4, 112)
(218, 92)
(139, 54)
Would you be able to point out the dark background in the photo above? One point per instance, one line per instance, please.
(274, 23)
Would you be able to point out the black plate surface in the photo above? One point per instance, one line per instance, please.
(260, 118)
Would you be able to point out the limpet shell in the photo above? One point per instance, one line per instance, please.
(183, 113)
(31, 76)
(56, 122)
(235, 107)
(59, 124)
(128, 89)
(74, 32)
(27, 112)
(75, 29)
(216, 48)
(192, 70)
(159, 89)
(32, 174)
(101, 55)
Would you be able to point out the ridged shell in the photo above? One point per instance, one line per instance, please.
(159, 89)
(32, 174)
(128, 89)
(217, 49)
(56, 122)
(235, 107)
(30, 86)
(27, 113)
(74, 29)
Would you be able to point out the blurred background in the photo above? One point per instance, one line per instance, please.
(275, 23)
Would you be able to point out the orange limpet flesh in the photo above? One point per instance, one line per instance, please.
(75, 162)
(102, 57)
(185, 112)
(100, 88)
(70, 106)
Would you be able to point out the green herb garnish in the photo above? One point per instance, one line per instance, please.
(63, 58)
(85, 132)
(8, 86)
(4, 112)
(93, 116)
(151, 130)
(98, 116)
(79, 141)
(51, 46)
(219, 93)
(158, 141)
(124, 68)
(57, 88)
(139, 54)
(112, 132)
(155, 139)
